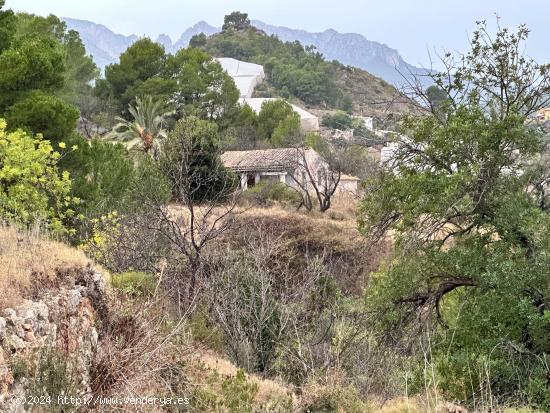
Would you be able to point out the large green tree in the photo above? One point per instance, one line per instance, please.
(38, 111)
(467, 203)
(79, 68)
(42, 72)
(140, 71)
(236, 21)
(202, 87)
(278, 123)
(31, 63)
(7, 26)
(191, 81)
(102, 174)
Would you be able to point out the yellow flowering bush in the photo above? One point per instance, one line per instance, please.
(32, 189)
(104, 232)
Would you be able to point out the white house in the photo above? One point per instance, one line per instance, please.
(308, 121)
(292, 166)
(245, 75)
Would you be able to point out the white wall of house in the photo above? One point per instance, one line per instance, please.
(348, 186)
(261, 177)
(368, 122)
(300, 177)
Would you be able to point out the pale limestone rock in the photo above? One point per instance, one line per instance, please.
(10, 316)
(2, 327)
(62, 318)
(14, 343)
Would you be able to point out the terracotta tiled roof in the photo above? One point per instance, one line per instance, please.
(261, 160)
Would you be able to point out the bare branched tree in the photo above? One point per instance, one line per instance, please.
(495, 71)
(202, 203)
(203, 195)
(312, 173)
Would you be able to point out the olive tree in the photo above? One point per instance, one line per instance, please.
(465, 202)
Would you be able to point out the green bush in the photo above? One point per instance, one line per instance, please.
(102, 174)
(239, 393)
(203, 331)
(20, 369)
(134, 283)
(32, 189)
(272, 191)
(40, 112)
(106, 179)
(236, 395)
(339, 120)
(55, 377)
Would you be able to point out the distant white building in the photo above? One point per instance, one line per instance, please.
(368, 122)
(388, 153)
(308, 121)
(245, 75)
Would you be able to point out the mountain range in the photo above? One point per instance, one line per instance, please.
(348, 48)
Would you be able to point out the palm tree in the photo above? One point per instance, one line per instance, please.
(147, 126)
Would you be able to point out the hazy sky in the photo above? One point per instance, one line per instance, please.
(411, 26)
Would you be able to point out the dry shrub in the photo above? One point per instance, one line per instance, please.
(420, 404)
(332, 395)
(30, 262)
(209, 374)
(403, 405)
(139, 352)
(309, 235)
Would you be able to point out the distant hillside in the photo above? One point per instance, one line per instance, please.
(350, 49)
(104, 45)
(183, 41)
(296, 73)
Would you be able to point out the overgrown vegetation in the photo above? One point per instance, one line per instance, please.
(467, 208)
(440, 291)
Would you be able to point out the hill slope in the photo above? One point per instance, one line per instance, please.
(350, 49)
(295, 72)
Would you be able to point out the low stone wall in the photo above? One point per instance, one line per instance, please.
(62, 321)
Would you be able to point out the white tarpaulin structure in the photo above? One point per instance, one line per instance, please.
(308, 121)
(245, 75)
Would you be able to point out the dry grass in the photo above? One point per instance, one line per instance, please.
(28, 261)
(403, 405)
(205, 362)
(332, 236)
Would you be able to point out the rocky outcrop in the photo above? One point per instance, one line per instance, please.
(61, 322)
